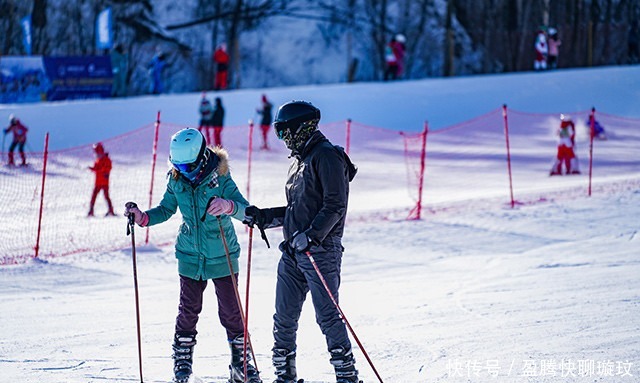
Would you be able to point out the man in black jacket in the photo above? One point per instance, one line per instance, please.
(317, 192)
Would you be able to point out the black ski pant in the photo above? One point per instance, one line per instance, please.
(297, 277)
(191, 294)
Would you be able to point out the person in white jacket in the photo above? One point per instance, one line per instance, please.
(566, 148)
(542, 49)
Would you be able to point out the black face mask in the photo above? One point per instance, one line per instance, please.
(295, 141)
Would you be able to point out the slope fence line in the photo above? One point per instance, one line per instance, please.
(461, 166)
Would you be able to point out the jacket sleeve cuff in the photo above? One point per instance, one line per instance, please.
(145, 220)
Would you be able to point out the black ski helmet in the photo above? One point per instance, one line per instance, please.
(295, 121)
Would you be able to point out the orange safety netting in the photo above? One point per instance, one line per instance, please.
(399, 176)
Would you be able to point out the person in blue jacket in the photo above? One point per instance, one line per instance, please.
(598, 130)
(198, 174)
(156, 69)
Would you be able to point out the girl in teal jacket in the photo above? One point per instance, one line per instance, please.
(201, 186)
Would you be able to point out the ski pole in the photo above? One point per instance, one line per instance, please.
(246, 300)
(234, 281)
(244, 317)
(235, 289)
(130, 231)
(341, 314)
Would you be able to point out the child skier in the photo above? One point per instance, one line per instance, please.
(200, 173)
(566, 145)
(102, 168)
(19, 139)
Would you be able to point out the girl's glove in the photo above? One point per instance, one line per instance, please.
(220, 206)
(139, 217)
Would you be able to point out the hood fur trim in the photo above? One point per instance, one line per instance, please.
(223, 157)
(223, 162)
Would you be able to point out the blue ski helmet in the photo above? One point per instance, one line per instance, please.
(187, 152)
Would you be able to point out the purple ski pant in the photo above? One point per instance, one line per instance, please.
(191, 293)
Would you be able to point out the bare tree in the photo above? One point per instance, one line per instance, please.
(39, 23)
(472, 36)
(236, 17)
(9, 27)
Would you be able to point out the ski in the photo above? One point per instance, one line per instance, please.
(192, 379)
(316, 381)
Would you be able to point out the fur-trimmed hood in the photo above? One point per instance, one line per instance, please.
(223, 160)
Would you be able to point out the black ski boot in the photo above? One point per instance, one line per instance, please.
(183, 343)
(284, 362)
(344, 365)
(236, 368)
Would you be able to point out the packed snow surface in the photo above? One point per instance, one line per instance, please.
(475, 291)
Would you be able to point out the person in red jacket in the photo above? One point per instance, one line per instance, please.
(394, 57)
(221, 58)
(102, 168)
(19, 139)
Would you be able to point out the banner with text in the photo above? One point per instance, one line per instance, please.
(79, 77)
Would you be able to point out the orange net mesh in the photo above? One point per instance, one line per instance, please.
(464, 165)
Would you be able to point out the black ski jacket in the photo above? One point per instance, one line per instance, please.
(218, 115)
(317, 192)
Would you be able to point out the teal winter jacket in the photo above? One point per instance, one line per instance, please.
(199, 248)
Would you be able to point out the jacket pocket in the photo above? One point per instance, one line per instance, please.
(185, 241)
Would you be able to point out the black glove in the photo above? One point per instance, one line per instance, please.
(254, 217)
(300, 242)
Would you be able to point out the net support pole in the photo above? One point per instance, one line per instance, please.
(592, 131)
(249, 153)
(417, 210)
(423, 159)
(348, 139)
(44, 176)
(154, 158)
(506, 137)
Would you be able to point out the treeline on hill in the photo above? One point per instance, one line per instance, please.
(444, 37)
